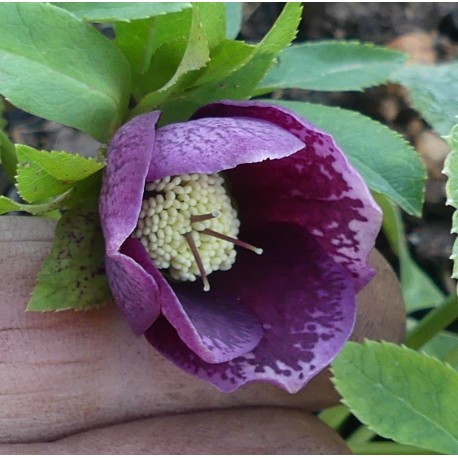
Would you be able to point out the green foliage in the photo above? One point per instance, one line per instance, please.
(241, 83)
(433, 92)
(418, 290)
(40, 208)
(385, 160)
(42, 174)
(122, 11)
(8, 155)
(62, 69)
(331, 66)
(176, 47)
(139, 40)
(73, 275)
(400, 394)
(451, 188)
(444, 346)
(233, 19)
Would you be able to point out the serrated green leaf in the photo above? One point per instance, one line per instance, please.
(212, 17)
(332, 66)
(7, 205)
(451, 189)
(121, 11)
(400, 394)
(241, 83)
(62, 69)
(197, 52)
(140, 39)
(444, 346)
(233, 18)
(229, 57)
(433, 92)
(175, 64)
(42, 174)
(418, 290)
(73, 275)
(59, 164)
(388, 164)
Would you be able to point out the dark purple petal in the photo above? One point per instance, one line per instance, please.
(123, 184)
(304, 300)
(316, 188)
(213, 145)
(215, 325)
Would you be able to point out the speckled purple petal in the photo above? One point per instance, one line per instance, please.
(129, 156)
(212, 145)
(215, 325)
(135, 291)
(304, 300)
(316, 188)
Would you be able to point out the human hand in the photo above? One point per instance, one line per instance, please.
(82, 382)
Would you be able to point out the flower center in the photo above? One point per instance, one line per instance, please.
(189, 227)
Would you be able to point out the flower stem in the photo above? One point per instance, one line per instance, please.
(335, 417)
(387, 448)
(435, 321)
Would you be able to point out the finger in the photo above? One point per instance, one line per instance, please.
(235, 431)
(74, 370)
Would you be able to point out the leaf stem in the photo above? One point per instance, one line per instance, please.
(361, 435)
(334, 417)
(434, 322)
(387, 448)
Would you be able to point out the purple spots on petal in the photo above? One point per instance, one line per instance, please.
(303, 332)
(316, 188)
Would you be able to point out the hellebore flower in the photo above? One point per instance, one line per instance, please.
(279, 317)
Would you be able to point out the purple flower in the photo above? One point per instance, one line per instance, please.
(279, 317)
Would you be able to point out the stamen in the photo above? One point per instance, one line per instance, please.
(232, 240)
(207, 216)
(199, 263)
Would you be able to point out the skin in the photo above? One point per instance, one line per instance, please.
(82, 382)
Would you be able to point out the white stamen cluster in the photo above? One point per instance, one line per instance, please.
(166, 217)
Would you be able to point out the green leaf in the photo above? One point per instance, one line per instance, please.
(388, 164)
(418, 290)
(332, 66)
(229, 57)
(212, 17)
(451, 189)
(43, 174)
(400, 394)
(433, 92)
(175, 64)
(57, 67)
(444, 346)
(7, 205)
(140, 39)
(122, 11)
(233, 18)
(73, 275)
(241, 83)
(8, 155)
(196, 54)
